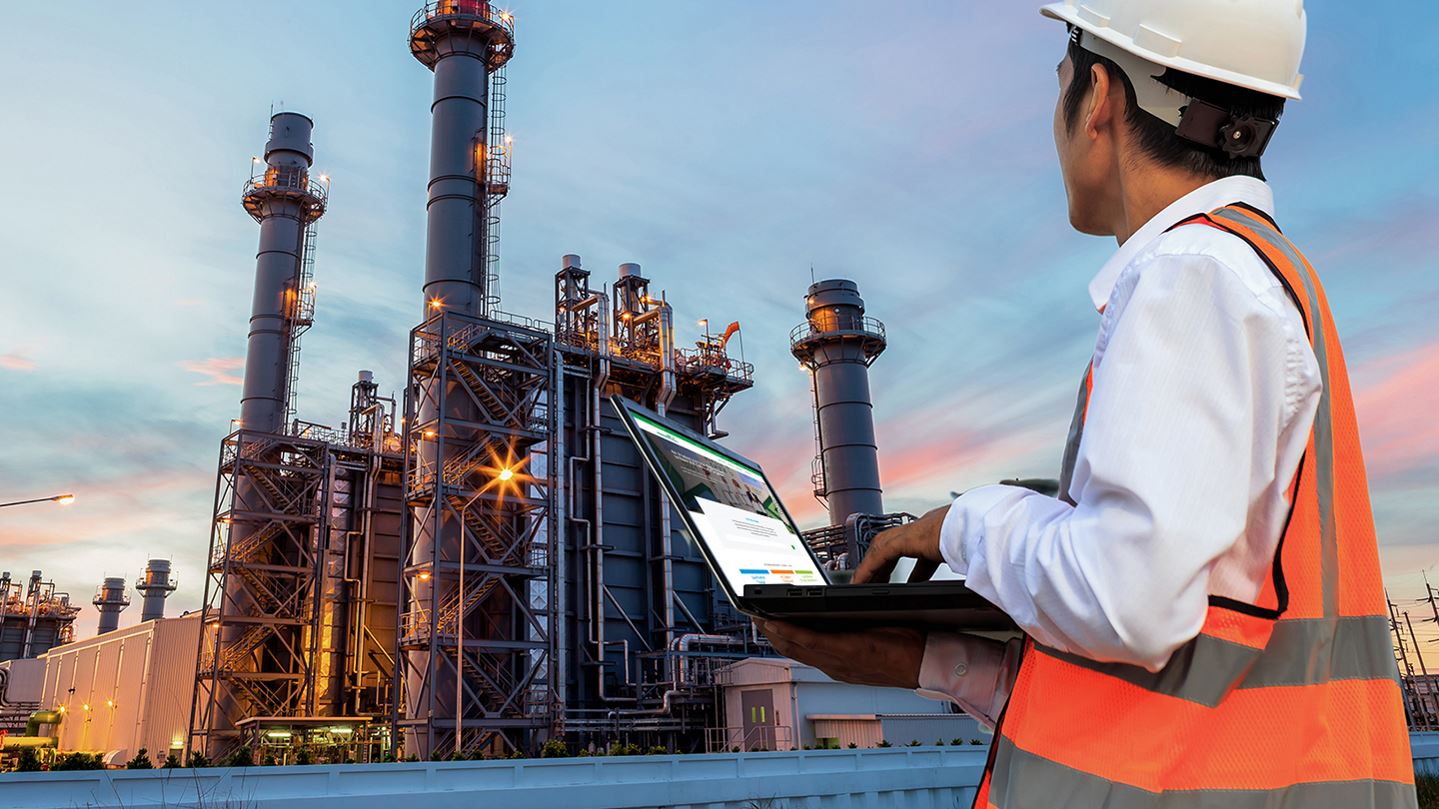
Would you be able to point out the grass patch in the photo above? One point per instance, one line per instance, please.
(1427, 786)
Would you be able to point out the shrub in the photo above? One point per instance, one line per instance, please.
(517, 754)
(852, 746)
(976, 741)
(29, 760)
(199, 760)
(915, 743)
(658, 750)
(241, 757)
(303, 756)
(554, 748)
(171, 762)
(956, 742)
(885, 743)
(78, 761)
(939, 742)
(141, 761)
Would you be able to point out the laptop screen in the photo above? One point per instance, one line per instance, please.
(748, 534)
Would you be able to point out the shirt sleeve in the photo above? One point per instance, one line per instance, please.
(1193, 364)
(974, 672)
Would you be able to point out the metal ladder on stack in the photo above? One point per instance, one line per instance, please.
(495, 184)
(301, 315)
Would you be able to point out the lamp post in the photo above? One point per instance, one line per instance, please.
(62, 499)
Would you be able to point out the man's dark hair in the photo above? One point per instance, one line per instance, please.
(1156, 138)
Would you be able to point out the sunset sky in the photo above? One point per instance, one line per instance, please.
(727, 148)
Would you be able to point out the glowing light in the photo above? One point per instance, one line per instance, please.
(86, 706)
(324, 178)
(109, 703)
(506, 474)
(64, 499)
(215, 623)
(704, 321)
(430, 433)
(424, 575)
(255, 159)
(62, 709)
(436, 303)
(509, 139)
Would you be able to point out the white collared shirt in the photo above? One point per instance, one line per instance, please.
(1204, 391)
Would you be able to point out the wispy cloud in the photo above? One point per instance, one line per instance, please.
(1399, 433)
(216, 370)
(15, 362)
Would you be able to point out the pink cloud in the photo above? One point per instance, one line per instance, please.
(216, 370)
(15, 362)
(1393, 401)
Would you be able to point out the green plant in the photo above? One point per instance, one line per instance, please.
(141, 761)
(976, 741)
(554, 748)
(198, 760)
(658, 750)
(1427, 787)
(956, 742)
(915, 743)
(240, 757)
(885, 743)
(517, 754)
(29, 760)
(78, 761)
(303, 756)
(939, 742)
(852, 746)
(172, 761)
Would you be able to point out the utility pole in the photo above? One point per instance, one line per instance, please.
(1408, 678)
(1418, 693)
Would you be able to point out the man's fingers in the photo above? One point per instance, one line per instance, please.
(923, 570)
(878, 562)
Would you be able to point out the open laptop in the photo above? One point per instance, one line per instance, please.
(756, 552)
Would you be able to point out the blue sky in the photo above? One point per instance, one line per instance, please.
(726, 147)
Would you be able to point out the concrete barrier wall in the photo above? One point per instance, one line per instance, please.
(940, 777)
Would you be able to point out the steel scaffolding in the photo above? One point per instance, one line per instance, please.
(477, 667)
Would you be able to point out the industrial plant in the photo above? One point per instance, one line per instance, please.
(482, 564)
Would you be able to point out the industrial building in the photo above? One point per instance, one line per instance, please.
(33, 616)
(482, 563)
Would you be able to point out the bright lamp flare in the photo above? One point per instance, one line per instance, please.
(506, 474)
(65, 499)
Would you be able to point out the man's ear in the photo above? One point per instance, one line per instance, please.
(1102, 105)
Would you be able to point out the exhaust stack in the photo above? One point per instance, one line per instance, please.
(837, 344)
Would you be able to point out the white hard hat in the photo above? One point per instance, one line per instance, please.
(1254, 44)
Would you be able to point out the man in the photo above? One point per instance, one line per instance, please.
(1204, 616)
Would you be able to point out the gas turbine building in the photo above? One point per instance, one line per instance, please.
(484, 564)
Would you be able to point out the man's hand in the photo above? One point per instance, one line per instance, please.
(888, 656)
(918, 540)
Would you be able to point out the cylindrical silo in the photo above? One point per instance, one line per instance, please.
(109, 601)
(284, 201)
(837, 343)
(155, 585)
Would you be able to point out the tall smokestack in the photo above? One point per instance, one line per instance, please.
(285, 201)
(463, 42)
(155, 585)
(110, 600)
(837, 343)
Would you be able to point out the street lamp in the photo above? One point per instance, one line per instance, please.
(62, 499)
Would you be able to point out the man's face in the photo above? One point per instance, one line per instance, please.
(1084, 168)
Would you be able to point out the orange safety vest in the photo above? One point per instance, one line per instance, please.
(1290, 703)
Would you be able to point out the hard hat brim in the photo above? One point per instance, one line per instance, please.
(1067, 14)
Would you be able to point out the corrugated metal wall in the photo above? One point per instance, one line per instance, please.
(110, 705)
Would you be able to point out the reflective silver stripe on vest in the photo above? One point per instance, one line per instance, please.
(1323, 425)
(1023, 780)
(1076, 432)
(1300, 652)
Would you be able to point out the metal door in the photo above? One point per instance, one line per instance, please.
(758, 709)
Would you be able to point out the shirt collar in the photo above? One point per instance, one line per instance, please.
(1203, 199)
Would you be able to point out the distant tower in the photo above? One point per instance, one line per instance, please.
(110, 600)
(285, 201)
(837, 344)
(155, 585)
